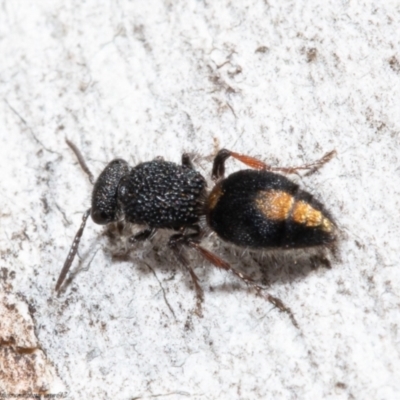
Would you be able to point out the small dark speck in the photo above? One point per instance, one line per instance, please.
(3, 273)
(311, 54)
(10, 307)
(31, 308)
(394, 64)
(358, 244)
(262, 49)
(45, 205)
(341, 385)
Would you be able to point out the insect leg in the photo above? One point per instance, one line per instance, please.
(72, 251)
(220, 263)
(177, 243)
(142, 235)
(218, 169)
(311, 167)
(81, 160)
(219, 163)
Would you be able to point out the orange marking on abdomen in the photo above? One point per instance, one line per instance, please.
(214, 196)
(303, 213)
(278, 205)
(275, 204)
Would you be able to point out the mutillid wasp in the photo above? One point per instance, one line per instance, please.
(257, 208)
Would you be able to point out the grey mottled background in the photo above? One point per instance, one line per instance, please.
(283, 80)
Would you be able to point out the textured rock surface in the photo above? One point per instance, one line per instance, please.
(284, 80)
(24, 367)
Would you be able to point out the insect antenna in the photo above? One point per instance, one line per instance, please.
(72, 251)
(81, 160)
(75, 244)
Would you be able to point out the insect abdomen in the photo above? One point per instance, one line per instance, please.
(260, 209)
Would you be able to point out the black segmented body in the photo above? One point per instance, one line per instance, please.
(258, 209)
(161, 194)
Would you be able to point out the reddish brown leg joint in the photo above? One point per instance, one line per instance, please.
(218, 170)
